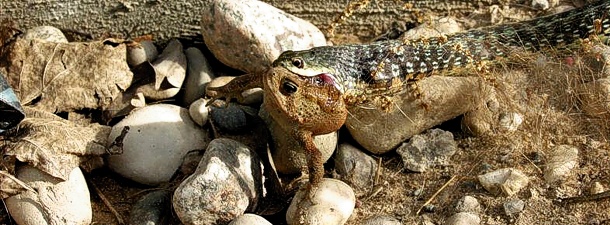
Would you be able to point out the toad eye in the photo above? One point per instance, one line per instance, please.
(298, 63)
(288, 87)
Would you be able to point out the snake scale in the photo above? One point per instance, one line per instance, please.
(379, 67)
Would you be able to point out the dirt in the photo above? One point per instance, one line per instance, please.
(544, 94)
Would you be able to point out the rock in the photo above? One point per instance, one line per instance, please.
(230, 119)
(57, 201)
(140, 52)
(153, 208)
(510, 121)
(596, 188)
(199, 111)
(435, 147)
(159, 137)
(355, 167)
(227, 183)
(507, 181)
(248, 35)
(541, 4)
(380, 132)
(483, 119)
(332, 202)
(435, 28)
(560, 163)
(253, 96)
(381, 220)
(190, 162)
(513, 207)
(288, 155)
(250, 219)
(45, 33)
(468, 204)
(199, 74)
(595, 98)
(463, 218)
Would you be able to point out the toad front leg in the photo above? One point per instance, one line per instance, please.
(233, 89)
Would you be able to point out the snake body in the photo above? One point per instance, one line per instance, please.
(359, 69)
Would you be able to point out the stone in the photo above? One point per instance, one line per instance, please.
(141, 52)
(250, 219)
(56, 201)
(355, 168)
(381, 220)
(463, 218)
(331, 202)
(468, 204)
(230, 119)
(159, 137)
(199, 111)
(45, 33)
(154, 208)
(248, 35)
(513, 207)
(424, 151)
(507, 181)
(227, 183)
(199, 74)
(561, 161)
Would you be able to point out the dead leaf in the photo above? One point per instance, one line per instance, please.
(63, 77)
(10, 185)
(53, 144)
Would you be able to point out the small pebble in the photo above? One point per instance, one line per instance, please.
(143, 51)
(230, 119)
(427, 150)
(355, 167)
(154, 208)
(159, 137)
(513, 207)
(468, 204)
(199, 111)
(596, 188)
(463, 218)
(45, 33)
(561, 161)
(381, 220)
(507, 181)
(227, 183)
(332, 202)
(250, 219)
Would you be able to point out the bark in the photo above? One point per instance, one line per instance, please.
(180, 18)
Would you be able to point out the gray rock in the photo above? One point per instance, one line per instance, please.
(199, 74)
(332, 202)
(463, 218)
(250, 219)
(159, 137)
(381, 220)
(199, 111)
(468, 204)
(561, 161)
(507, 181)
(45, 33)
(435, 147)
(248, 35)
(143, 51)
(57, 201)
(230, 119)
(355, 167)
(513, 207)
(288, 155)
(154, 208)
(380, 132)
(227, 183)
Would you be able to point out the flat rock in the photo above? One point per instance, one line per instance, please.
(159, 137)
(331, 203)
(507, 181)
(227, 183)
(562, 159)
(381, 220)
(248, 35)
(57, 201)
(423, 151)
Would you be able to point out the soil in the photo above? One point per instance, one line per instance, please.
(553, 117)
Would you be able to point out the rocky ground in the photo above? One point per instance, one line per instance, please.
(525, 134)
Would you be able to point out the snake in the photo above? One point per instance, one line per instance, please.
(379, 67)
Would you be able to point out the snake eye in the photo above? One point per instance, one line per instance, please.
(289, 87)
(298, 63)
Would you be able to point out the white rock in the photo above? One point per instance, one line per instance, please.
(506, 181)
(561, 161)
(199, 112)
(248, 35)
(596, 188)
(513, 207)
(199, 74)
(463, 218)
(381, 220)
(330, 203)
(468, 204)
(46, 33)
(227, 182)
(57, 201)
(250, 219)
(158, 138)
(144, 51)
(510, 121)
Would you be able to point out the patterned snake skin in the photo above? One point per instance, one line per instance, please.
(378, 67)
